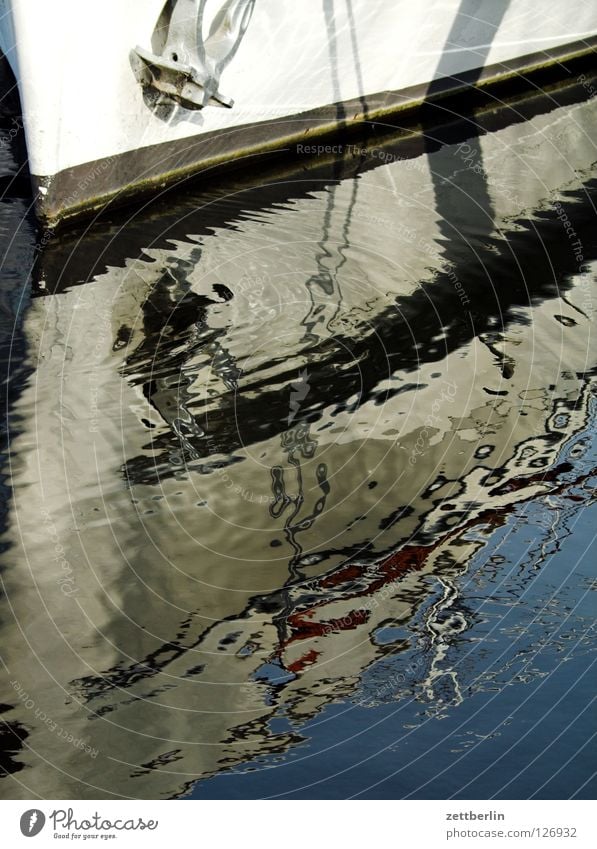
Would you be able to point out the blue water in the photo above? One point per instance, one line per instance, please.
(512, 710)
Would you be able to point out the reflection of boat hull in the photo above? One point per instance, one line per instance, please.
(85, 152)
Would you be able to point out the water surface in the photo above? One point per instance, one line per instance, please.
(298, 492)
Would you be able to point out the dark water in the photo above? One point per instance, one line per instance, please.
(298, 493)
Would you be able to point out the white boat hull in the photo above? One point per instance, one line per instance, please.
(94, 134)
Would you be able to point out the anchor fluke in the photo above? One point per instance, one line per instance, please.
(189, 67)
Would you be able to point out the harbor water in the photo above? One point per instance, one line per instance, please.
(298, 474)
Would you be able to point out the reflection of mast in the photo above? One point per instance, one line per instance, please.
(442, 623)
(325, 296)
(296, 441)
(323, 286)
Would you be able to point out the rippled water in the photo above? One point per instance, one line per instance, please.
(299, 486)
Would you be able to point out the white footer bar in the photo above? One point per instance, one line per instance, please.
(296, 824)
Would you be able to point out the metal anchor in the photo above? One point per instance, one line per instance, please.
(189, 68)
